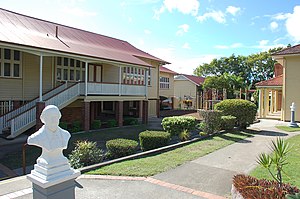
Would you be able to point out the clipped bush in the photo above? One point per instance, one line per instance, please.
(120, 147)
(85, 153)
(211, 120)
(96, 124)
(76, 126)
(63, 125)
(176, 124)
(112, 123)
(130, 121)
(228, 122)
(250, 187)
(153, 139)
(243, 110)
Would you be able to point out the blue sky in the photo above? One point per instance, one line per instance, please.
(184, 32)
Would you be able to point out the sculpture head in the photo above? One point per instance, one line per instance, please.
(50, 117)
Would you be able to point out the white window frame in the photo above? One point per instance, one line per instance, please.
(164, 83)
(134, 75)
(68, 68)
(11, 62)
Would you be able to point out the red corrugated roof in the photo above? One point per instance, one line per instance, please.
(166, 70)
(28, 31)
(276, 81)
(196, 79)
(290, 50)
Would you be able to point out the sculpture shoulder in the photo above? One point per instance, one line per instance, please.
(36, 137)
(65, 133)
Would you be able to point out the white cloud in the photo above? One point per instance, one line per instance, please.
(158, 12)
(184, 6)
(218, 16)
(186, 46)
(187, 65)
(147, 32)
(263, 42)
(273, 25)
(234, 45)
(179, 64)
(281, 16)
(292, 24)
(182, 29)
(264, 45)
(233, 10)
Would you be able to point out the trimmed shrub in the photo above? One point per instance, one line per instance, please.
(228, 122)
(117, 148)
(85, 153)
(112, 123)
(243, 110)
(130, 121)
(63, 125)
(250, 187)
(211, 120)
(76, 126)
(96, 124)
(153, 139)
(176, 124)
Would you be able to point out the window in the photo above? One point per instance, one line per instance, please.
(149, 77)
(164, 83)
(134, 75)
(10, 63)
(68, 69)
(108, 106)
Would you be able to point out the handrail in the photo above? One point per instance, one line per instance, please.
(46, 100)
(34, 99)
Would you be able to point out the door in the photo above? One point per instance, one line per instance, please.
(95, 73)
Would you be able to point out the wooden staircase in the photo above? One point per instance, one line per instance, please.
(23, 118)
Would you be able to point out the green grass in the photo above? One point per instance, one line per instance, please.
(152, 165)
(291, 170)
(288, 129)
(14, 159)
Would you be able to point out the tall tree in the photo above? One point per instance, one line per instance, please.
(252, 68)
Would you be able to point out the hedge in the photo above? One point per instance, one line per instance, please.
(120, 147)
(177, 124)
(211, 120)
(228, 122)
(153, 139)
(244, 111)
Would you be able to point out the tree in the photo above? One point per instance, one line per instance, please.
(252, 69)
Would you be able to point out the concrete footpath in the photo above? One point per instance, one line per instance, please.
(206, 177)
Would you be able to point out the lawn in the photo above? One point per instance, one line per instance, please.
(14, 159)
(152, 165)
(291, 170)
(288, 129)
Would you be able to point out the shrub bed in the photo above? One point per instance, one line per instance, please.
(243, 110)
(96, 124)
(250, 187)
(130, 121)
(112, 123)
(211, 120)
(177, 124)
(85, 153)
(117, 148)
(228, 122)
(153, 139)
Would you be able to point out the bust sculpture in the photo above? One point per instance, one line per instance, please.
(51, 138)
(52, 176)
